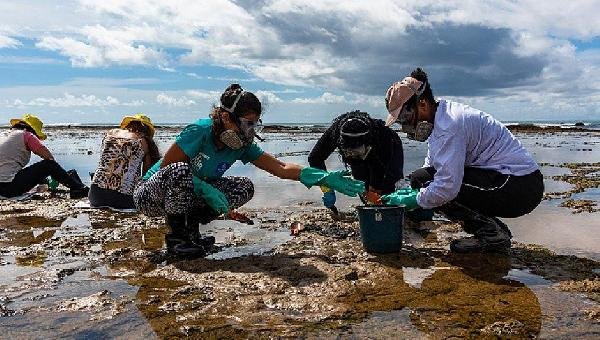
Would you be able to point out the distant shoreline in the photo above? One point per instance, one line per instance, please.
(528, 127)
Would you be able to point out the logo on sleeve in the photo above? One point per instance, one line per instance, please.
(221, 168)
(197, 163)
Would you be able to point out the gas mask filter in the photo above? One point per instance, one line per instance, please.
(231, 139)
(420, 132)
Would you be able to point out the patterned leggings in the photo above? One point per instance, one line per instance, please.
(170, 191)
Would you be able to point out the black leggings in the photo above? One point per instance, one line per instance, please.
(100, 197)
(35, 174)
(490, 192)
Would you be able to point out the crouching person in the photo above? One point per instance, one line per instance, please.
(187, 185)
(475, 170)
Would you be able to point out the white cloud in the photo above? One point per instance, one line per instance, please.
(70, 100)
(7, 59)
(325, 98)
(81, 54)
(348, 98)
(109, 82)
(165, 99)
(520, 48)
(267, 98)
(208, 95)
(104, 47)
(8, 42)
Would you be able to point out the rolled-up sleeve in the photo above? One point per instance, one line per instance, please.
(447, 156)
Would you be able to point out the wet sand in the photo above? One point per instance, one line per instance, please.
(75, 272)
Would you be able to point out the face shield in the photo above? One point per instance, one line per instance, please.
(250, 129)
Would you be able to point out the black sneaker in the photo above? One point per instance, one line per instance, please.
(474, 244)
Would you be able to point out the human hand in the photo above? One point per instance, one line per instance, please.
(213, 196)
(402, 197)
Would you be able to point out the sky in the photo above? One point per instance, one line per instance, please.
(84, 61)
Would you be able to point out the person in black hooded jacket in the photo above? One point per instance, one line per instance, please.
(372, 150)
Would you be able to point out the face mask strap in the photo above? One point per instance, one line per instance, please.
(237, 99)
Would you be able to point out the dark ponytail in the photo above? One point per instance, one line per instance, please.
(247, 101)
(420, 75)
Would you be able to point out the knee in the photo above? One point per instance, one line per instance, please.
(177, 170)
(421, 178)
(248, 186)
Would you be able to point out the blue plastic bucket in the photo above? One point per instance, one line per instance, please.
(381, 228)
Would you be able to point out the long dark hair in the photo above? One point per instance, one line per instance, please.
(247, 102)
(142, 129)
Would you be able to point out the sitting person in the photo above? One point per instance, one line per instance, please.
(475, 170)
(373, 151)
(127, 153)
(16, 147)
(187, 184)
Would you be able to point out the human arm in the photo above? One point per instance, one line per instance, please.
(309, 176)
(447, 155)
(276, 167)
(324, 147)
(173, 155)
(385, 162)
(33, 144)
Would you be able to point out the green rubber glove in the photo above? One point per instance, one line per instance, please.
(213, 196)
(406, 197)
(337, 180)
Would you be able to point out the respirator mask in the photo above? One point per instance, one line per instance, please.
(420, 131)
(248, 129)
(355, 145)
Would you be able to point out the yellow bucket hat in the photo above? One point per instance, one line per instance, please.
(138, 117)
(34, 122)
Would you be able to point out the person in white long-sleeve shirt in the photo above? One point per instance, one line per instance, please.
(475, 169)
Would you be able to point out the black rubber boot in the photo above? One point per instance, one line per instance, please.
(490, 234)
(179, 241)
(77, 189)
(193, 221)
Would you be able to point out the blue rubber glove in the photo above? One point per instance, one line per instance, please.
(402, 197)
(337, 180)
(213, 196)
(328, 198)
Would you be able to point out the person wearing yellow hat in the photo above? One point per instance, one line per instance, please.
(127, 153)
(16, 146)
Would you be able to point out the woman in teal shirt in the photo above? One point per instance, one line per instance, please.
(187, 184)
